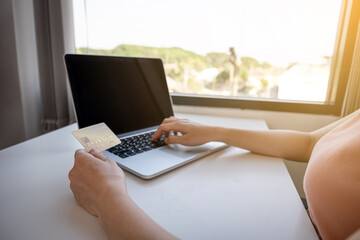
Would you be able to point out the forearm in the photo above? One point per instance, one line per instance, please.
(123, 219)
(291, 145)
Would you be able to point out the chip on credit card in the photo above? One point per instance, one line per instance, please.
(98, 136)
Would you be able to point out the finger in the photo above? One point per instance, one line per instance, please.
(158, 133)
(167, 134)
(73, 187)
(71, 174)
(98, 154)
(79, 152)
(167, 128)
(83, 158)
(170, 120)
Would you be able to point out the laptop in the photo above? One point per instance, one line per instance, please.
(131, 96)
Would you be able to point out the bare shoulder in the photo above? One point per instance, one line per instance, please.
(317, 134)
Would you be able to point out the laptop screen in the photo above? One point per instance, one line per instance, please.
(124, 92)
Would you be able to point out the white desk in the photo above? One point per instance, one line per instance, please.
(231, 194)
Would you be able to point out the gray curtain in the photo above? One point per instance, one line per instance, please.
(55, 37)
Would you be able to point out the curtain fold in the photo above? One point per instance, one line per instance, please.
(54, 39)
(352, 95)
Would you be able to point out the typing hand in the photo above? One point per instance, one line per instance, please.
(185, 132)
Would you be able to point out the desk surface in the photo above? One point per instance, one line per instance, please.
(231, 194)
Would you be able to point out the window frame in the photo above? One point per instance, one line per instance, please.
(338, 78)
(255, 104)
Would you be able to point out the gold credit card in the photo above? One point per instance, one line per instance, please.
(98, 136)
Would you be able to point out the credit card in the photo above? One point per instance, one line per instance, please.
(98, 136)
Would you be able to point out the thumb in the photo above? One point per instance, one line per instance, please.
(98, 154)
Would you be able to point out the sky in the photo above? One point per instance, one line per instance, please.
(277, 31)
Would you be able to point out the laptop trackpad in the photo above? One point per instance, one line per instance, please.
(184, 151)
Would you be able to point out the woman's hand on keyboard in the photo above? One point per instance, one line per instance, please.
(184, 131)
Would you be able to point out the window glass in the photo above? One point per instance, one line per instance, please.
(279, 49)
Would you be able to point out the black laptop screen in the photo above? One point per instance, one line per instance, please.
(124, 92)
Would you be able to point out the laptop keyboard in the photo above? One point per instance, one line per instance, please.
(134, 145)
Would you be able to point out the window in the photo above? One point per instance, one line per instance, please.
(260, 54)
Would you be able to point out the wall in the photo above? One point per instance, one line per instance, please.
(274, 120)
